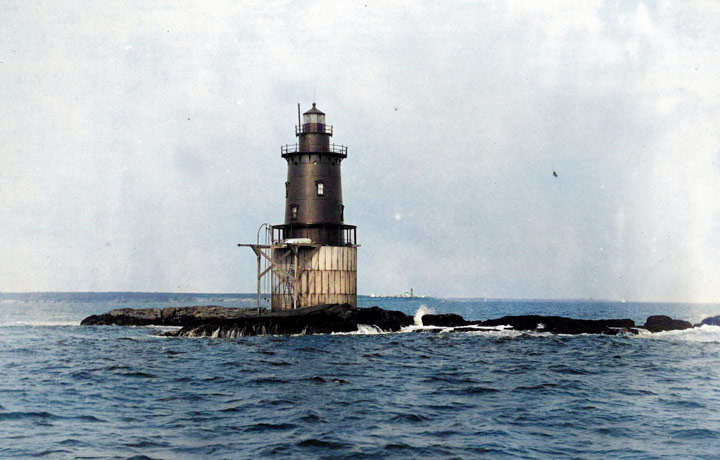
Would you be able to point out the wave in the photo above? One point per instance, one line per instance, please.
(422, 311)
(43, 415)
(368, 329)
(41, 323)
(704, 333)
(362, 329)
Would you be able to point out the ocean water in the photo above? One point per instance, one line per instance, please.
(69, 391)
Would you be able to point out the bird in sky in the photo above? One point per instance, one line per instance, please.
(554, 174)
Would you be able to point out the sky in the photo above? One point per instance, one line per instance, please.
(140, 142)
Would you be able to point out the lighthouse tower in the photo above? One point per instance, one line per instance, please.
(312, 256)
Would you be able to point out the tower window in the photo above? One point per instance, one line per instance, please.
(287, 189)
(320, 188)
(342, 212)
(294, 211)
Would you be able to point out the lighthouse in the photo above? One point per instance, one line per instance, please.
(311, 258)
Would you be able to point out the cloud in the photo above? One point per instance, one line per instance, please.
(142, 143)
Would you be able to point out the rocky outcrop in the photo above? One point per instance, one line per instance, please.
(562, 325)
(660, 323)
(322, 319)
(444, 320)
(387, 320)
(214, 321)
(712, 321)
(169, 316)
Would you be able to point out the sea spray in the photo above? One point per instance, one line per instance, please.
(366, 329)
(703, 334)
(422, 311)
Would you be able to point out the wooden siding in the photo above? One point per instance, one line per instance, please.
(326, 275)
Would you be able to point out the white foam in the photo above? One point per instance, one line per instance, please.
(42, 323)
(415, 327)
(703, 333)
(363, 329)
(422, 311)
(505, 332)
(368, 329)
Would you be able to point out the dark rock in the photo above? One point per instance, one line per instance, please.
(561, 325)
(170, 316)
(215, 321)
(659, 323)
(387, 320)
(712, 321)
(469, 329)
(323, 319)
(444, 320)
(623, 323)
(231, 322)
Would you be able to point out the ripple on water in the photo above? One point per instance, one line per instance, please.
(682, 403)
(269, 427)
(272, 380)
(695, 434)
(147, 444)
(28, 415)
(541, 387)
(51, 453)
(279, 363)
(322, 444)
(141, 375)
(73, 442)
(312, 417)
(408, 418)
(468, 390)
(277, 402)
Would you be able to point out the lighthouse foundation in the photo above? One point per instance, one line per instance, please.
(310, 275)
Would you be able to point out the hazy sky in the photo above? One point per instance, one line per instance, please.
(140, 142)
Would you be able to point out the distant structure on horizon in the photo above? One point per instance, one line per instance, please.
(311, 259)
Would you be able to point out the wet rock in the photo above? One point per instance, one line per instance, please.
(562, 325)
(225, 321)
(444, 320)
(215, 321)
(323, 319)
(659, 323)
(712, 321)
(471, 329)
(169, 316)
(387, 320)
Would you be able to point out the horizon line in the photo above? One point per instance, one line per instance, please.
(481, 298)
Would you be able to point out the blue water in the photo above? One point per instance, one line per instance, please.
(111, 392)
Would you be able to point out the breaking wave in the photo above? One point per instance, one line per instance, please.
(422, 311)
(704, 334)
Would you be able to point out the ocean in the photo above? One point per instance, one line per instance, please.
(107, 392)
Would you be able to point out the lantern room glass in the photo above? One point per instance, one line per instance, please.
(314, 118)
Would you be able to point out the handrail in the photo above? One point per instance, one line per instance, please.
(295, 148)
(316, 128)
(279, 232)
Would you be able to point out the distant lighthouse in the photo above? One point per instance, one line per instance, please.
(312, 257)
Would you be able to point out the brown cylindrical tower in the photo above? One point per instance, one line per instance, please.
(315, 250)
(313, 191)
